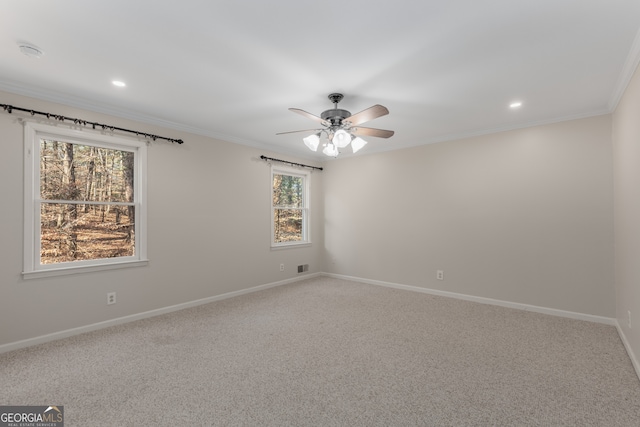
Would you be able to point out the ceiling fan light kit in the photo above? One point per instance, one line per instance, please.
(357, 143)
(341, 138)
(331, 150)
(312, 141)
(340, 127)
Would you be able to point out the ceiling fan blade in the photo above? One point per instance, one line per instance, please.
(368, 114)
(379, 133)
(310, 116)
(296, 131)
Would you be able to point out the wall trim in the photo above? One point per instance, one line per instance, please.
(83, 104)
(139, 316)
(629, 68)
(627, 346)
(482, 300)
(152, 313)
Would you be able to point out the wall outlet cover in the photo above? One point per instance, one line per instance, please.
(111, 298)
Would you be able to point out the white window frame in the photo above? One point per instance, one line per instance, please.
(306, 211)
(33, 133)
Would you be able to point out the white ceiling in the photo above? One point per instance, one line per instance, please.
(230, 69)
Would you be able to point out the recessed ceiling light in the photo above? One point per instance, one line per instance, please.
(30, 50)
(515, 104)
(118, 83)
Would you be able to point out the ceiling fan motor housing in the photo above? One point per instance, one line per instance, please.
(335, 116)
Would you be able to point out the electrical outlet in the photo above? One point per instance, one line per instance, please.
(281, 267)
(440, 274)
(111, 298)
(629, 318)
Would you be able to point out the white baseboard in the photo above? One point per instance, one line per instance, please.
(627, 346)
(100, 325)
(482, 300)
(120, 320)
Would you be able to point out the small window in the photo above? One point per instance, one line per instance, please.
(289, 207)
(84, 201)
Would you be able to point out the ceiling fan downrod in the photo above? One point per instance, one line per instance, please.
(336, 115)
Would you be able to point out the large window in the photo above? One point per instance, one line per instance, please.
(84, 201)
(289, 207)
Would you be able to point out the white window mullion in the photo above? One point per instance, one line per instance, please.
(85, 202)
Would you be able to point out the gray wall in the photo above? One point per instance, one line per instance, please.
(208, 227)
(524, 216)
(626, 136)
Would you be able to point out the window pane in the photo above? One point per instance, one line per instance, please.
(71, 232)
(287, 191)
(287, 225)
(71, 171)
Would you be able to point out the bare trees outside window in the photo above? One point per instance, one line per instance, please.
(83, 201)
(86, 209)
(289, 206)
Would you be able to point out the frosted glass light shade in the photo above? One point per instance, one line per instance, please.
(341, 138)
(357, 144)
(312, 141)
(330, 150)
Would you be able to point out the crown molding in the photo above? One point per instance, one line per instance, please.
(81, 103)
(490, 131)
(629, 68)
(71, 101)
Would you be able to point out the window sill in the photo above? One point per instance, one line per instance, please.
(82, 269)
(290, 246)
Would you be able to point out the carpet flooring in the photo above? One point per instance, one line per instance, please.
(329, 352)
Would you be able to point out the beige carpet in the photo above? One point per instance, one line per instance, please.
(328, 352)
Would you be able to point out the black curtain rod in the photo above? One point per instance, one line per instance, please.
(290, 163)
(10, 108)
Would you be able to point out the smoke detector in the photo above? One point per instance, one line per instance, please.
(30, 50)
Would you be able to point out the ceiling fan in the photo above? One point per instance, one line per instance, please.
(341, 128)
